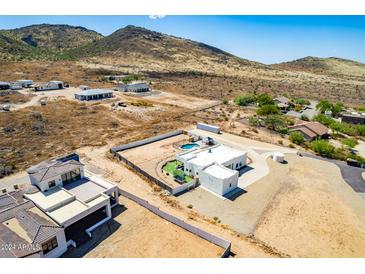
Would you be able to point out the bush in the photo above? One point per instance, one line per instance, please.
(268, 109)
(301, 101)
(245, 99)
(304, 117)
(283, 131)
(350, 142)
(225, 101)
(265, 99)
(323, 148)
(296, 138)
(254, 121)
(360, 130)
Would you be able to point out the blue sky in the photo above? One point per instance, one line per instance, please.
(266, 39)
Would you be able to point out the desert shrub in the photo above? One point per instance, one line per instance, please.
(301, 101)
(280, 142)
(265, 99)
(350, 142)
(304, 117)
(245, 99)
(360, 130)
(296, 138)
(38, 127)
(323, 148)
(323, 119)
(190, 206)
(35, 115)
(342, 127)
(141, 103)
(255, 121)
(225, 101)
(283, 130)
(268, 110)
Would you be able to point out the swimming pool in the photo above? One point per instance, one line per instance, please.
(189, 146)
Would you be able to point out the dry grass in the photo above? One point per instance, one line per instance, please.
(13, 97)
(34, 134)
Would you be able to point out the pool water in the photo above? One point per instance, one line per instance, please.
(189, 146)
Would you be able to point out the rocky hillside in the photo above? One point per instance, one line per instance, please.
(50, 42)
(328, 66)
(136, 45)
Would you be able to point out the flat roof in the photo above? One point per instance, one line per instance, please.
(85, 189)
(220, 154)
(219, 171)
(67, 211)
(97, 91)
(49, 199)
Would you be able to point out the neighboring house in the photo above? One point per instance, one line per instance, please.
(311, 130)
(25, 231)
(75, 201)
(134, 87)
(216, 167)
(25, 83)
(93, 94)
(353, 118)
(283, 103)
(51, 85)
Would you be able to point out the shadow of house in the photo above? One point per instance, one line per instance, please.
(234, 194)
(98, 235)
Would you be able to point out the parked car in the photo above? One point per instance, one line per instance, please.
(353, 162)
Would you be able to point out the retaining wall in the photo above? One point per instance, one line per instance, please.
(226, 245)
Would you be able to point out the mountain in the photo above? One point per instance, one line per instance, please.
(327, 66)
(50, 42)
(136, 46)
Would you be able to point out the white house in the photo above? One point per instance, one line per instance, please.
(135, 87)
(25, 83)
(77, 202)
(51, 85)
(214, 166)
(218, 178)
(93, 94)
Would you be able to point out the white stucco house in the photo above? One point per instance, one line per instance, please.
(77, 202)
(216, 167)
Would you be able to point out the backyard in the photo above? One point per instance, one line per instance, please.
(174, 168)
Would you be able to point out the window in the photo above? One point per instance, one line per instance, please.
(51, 184)
(230, 185)
(71, 176)
(49, 245)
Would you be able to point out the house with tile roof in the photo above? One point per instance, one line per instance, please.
(76, 201)
(311, 130)
(26, 231)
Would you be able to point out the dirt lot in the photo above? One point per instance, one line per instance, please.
(137, 232)
(33, 134)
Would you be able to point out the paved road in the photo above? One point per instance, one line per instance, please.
(352, 175)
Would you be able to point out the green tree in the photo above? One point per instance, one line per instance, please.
(324, 105)
(296, 138)
(245, 99)
(265, 99)
(337, 109)
(275, 122)
(323, 148)
(268, 110)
